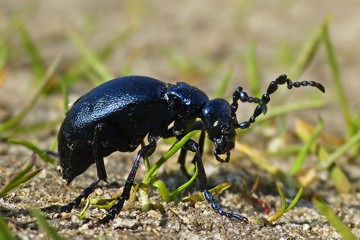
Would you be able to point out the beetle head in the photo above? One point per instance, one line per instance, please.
(217, 119)
(72, 161)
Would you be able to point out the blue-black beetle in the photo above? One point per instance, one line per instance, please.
(117, 116)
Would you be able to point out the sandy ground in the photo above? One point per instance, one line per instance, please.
(212, 37)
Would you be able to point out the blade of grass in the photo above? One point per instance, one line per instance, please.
(3, 54)
(216, 191)
(341, 181)
(45, 226)
(333, 220)
(151, 173)
(161, 187)
(340, 92)
(300, 159)
(353, 142)
(5, 232)
(36, 60)
(295, 200)
(176, 192)
(65, 95)
(291, 107)
(14, 121)
(307, 54)
(33, 148)
(338, 176)
(22, 177)
(154, 168)
(257, 158)
(90, 57)
(13, 185)
(252, 69)
(223, 84)
(21, 129)
(114, 43)
(283, 209)
(81, 67)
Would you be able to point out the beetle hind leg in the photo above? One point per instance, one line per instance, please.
(102, 131)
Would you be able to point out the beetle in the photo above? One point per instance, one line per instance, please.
(118, 114)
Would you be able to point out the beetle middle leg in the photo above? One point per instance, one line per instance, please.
(202, 181)
(182, 156)
(144, 152)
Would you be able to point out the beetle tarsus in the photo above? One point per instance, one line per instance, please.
(84, 194)
(214, 205)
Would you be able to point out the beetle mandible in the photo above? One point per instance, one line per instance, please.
(120, 113)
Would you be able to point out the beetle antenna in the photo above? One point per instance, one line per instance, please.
(265, 99)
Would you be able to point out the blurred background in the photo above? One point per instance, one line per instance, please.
(51, 52)
(192, 41)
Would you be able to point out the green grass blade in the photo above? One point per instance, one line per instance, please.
(216, 191)
(297, 166)
(3, 53)
(36, 60)
(22, 177)
(295, 200)
(80, 68)
(5, 232)
(353, 142)
(176, 192)
(18, 118)
(35, 149)
(65, 94)
(15, 184)
(115, 43)
(340, 92)
(90, 57)
(45, 226)
(161, 187)
(220, 93)
(307, 55)
(291, 107)
(176, 147)
(334, 220)
(282, 208)
(252, 69)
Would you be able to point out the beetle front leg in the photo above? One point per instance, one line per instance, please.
(202, 180)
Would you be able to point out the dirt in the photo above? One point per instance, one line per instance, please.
(211, 37)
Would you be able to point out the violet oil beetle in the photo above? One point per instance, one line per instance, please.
(120, 113)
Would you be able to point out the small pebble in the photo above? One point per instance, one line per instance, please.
(306, 227)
